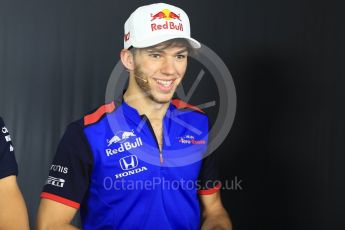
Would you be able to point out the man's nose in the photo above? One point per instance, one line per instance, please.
(168, 67)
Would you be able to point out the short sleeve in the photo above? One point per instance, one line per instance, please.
(70, 172)
(8, 164)
(209, 181)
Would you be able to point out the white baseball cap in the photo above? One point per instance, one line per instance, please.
(152, 24)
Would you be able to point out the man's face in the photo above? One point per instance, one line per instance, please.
(161, 69)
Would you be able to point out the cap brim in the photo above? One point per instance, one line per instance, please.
(143, 43)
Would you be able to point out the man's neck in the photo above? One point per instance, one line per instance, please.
(144, 105)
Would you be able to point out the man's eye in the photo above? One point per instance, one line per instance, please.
(155, 55)
(180, 56)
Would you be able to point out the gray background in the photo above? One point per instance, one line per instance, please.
(287, 61)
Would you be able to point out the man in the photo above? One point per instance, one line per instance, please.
(13, 214)
(118, 164)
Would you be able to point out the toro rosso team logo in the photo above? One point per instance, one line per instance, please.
(189, 139)
(168, 23)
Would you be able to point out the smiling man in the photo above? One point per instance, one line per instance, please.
(138, 162)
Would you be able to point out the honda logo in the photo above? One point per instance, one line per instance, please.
(129, 162)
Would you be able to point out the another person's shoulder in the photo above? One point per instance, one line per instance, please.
(8, 164)
(1, 122)
(5, 138)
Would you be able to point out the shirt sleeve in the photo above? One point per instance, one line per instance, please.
(70, 172)
(209, 181)
(8, 164)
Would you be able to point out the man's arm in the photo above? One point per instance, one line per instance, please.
(13, 213)
(54, 215)
(70, 171)
(214, 216)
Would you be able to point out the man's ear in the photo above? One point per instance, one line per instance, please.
(127, 59)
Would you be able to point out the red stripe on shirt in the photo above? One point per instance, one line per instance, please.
(60, 200)
(182, 105)
(95, 116)
(210, 191)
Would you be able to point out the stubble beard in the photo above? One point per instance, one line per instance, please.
(145, 87)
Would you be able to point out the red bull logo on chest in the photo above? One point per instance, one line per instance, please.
(169, 21)
(123, 141)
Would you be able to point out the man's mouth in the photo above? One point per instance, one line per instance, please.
(165, 85)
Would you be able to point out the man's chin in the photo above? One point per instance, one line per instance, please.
(161, 100)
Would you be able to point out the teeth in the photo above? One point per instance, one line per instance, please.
(165, 83)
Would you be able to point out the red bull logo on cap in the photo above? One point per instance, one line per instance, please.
(167, 15)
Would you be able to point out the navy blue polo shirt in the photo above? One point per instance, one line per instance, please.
(8, 164)
(109, 165)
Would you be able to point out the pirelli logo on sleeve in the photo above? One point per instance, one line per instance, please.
(57, 182)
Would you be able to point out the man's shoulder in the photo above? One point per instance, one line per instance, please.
(189, 108)
(97, 114)
(93, 117)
